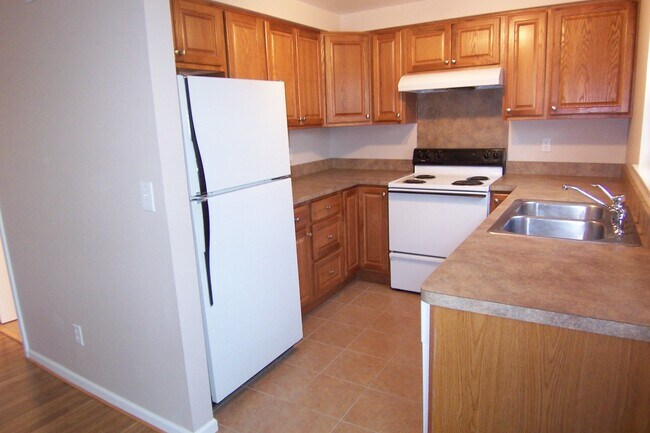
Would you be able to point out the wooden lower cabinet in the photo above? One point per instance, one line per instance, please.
(496, 198)
(305, 266)
(490, 374)
(373, 233)
(341, 237)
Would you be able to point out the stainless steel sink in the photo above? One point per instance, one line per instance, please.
(574, 211)
(555, 228)
(562, 220)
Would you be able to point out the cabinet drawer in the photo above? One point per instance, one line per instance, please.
(326, 207)
(301, 216)
(328, 273)
(327, 237)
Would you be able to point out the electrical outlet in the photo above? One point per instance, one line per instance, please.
(146, 196)
(546, 144)
(78, 334)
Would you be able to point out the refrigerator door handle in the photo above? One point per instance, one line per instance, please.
(202, 193)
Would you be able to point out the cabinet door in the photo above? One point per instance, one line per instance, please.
(305, 266)
(373, 217)
(427, 47)
(310, 82)
(246, 51)
(591, 58)
(281, 61)
(198, 35)
(347, 78)
(386, 72)
(526, 68)
(351, 216)
(475, 42)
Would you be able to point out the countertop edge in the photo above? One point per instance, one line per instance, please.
(542, 317)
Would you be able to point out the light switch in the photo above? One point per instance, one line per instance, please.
(146, 197)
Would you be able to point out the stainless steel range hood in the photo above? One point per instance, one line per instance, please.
(481, 78)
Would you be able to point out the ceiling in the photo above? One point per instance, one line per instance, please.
(350, 6)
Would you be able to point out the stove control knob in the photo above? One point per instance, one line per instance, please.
(495, 155)
(439, 155)
(486, 155)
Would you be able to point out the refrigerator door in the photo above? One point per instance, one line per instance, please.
(255, 315)
(240, 128)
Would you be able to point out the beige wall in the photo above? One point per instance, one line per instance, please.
(93, 110)
(638, 146)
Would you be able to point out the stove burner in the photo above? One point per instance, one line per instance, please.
(467, 182)
(425, 176)
(414, 181)
(478, 178)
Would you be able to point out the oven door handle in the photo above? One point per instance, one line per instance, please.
(455, 194)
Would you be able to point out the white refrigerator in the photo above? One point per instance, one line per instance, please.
(237, 155)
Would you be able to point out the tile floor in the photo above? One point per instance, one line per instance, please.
(357, 370)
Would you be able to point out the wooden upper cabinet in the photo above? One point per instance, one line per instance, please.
(591, 58)
(428, 47)
(388, 105)
(526, 65)
(472, 42)
(282, 64)
(246, 49)
(198, 36)
(347, 78)
(310, 77)
(293, 56)
(475, 42)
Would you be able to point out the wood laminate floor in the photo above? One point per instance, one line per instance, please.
(34, 401)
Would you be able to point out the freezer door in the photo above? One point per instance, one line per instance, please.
(255, 315)
(240, 127)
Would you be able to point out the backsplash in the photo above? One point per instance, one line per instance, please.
(462, 118)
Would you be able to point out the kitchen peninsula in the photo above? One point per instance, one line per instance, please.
(528, 331)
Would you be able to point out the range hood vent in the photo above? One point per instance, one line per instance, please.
(481, 78)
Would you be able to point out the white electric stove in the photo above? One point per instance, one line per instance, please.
(433, 210)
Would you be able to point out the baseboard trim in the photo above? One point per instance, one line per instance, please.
(114, 400)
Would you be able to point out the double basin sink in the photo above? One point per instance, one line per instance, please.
(563, 220)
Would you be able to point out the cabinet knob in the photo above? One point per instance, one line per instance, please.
(553, 108)
(497, 200)
(508, 110)
(398, 115)
(302, 119)
(309, 234)
(446, 62)
(328, 207)
(367, 116)
(179, 52)
(453, 61)
(331, 272)
(296, 219)
(330, 236)
(383, 194)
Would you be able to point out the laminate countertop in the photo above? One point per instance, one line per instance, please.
(586, 286)
(312, 186)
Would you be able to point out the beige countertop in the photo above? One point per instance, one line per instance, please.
(586, 286)
(316, 185)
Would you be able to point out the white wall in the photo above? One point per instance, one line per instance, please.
(89, 110)
(577, 140)
(431, 10)
(375, 142)
(7, 307)
(307, 145)
(292, 10)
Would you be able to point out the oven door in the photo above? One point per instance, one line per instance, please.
(433, 223)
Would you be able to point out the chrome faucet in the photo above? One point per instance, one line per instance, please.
(617, 208)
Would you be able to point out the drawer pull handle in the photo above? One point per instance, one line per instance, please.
(328, 207)
(330, 236)
(309, 234)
